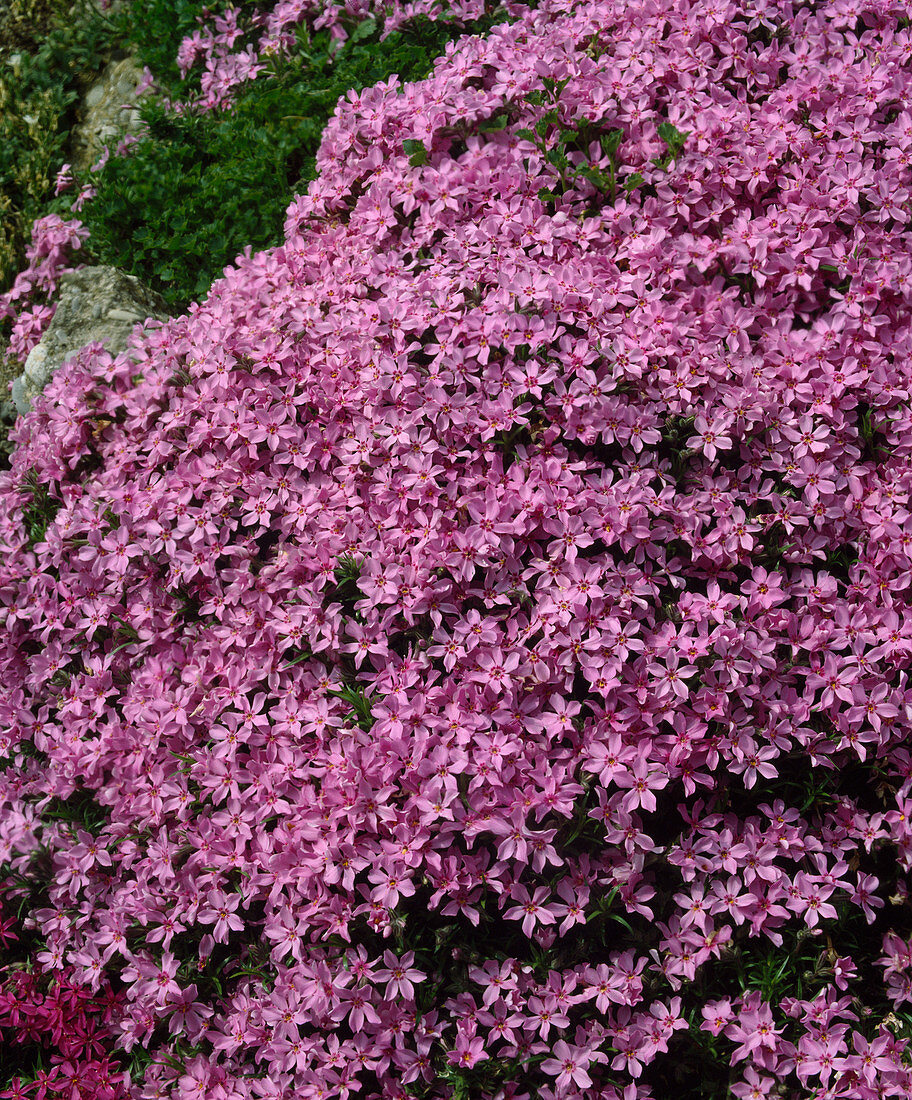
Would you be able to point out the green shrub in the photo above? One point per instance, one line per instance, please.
(31, 149)
(25, 23)
(41, 79)
(157, 27)
(199, 188)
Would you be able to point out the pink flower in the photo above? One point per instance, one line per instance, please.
(836, 678)
(716, 1016)
(569, 1065)
(64, 179)
(159, 980)
(531, 909)
(390, 886)
(642, 782)
(752, 1028)
(754, 1086)
(871, 1059)
(865, 895)
(710, 437)
(221, 911)
(469, 1048)
(399, 975)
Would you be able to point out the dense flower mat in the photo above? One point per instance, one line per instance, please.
(467, 655)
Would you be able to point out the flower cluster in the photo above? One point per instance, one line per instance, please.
(57, 1016)
(469, 651)
(233, 51)
(27, 301)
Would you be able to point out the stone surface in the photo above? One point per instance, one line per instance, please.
(95, 303)
(107, 113)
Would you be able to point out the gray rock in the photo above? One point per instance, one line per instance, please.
(95, 304)
(108, 112)
(94, 96)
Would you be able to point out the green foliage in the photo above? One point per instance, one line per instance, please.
(40, 84)
(418, 155)
(23, 22)
(157, 27)
(871, 435)
(557, 144)
(80, 810)
(346, 591)
(775, 971)
(200, 188)
(298, 656)
(360, 712)
(9, 369)
(348, 568)
(40, 510)
(674, 139)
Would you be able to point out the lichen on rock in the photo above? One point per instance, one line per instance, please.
(96, 304)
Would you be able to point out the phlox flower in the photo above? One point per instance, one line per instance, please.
(545, 1013)
(389, 886)
(641, 781)
(836, 679)
(356, 1007)
(716, 1016)
(753, 1030)
(496, 979)
(158, 981)
(710, 437)
(469, 1048)
(186, 1014)
(754, 1086)
(399, 974)
(573, 911)
(531, 908)
(221, 910)
(477, 381)
(865, 895)
(569, 1065)
(871, 1058)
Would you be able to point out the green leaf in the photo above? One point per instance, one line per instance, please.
(359, 703)
(498, 122)
(347, 568)
(305, 656)
(363, 30)
(557, 158)
(671, 135)
(217, 182)
(595, 176)
(674, 139)
(551, 117)
(418, 155)
(555, 87)
(611, 142)
(526, 135)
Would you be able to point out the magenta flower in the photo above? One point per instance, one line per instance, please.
(468, 1050)
(531, 909)
(710, 437)
(619, 439)
(399, 974)
(221, 911)
(569, 1065)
